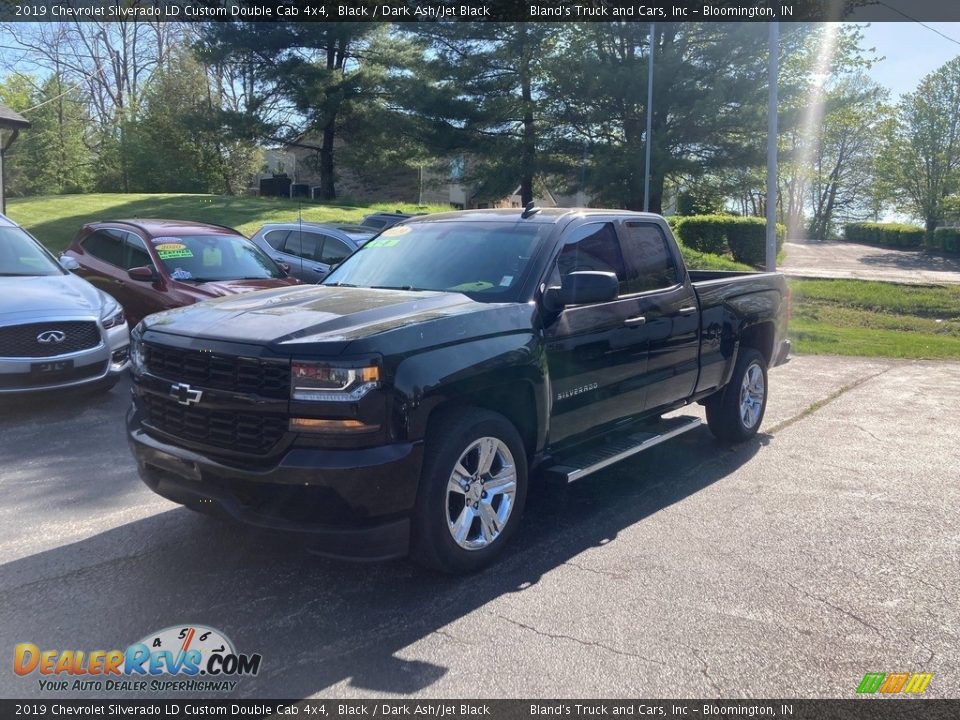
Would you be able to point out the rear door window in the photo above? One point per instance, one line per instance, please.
(334, 251)
(275, 238)
(106, 245)
(303, 244)
(649, 261)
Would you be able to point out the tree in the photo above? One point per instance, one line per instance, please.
(920, 160)
(477, 90)
(53, 156)
(305, 79)
(843, 154)
(178, 142)
(709, 100)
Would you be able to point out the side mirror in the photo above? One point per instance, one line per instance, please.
(143, 274)
(68, 263)
(285, 267)
(582, 287)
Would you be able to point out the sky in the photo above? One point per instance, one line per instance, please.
(911, 51)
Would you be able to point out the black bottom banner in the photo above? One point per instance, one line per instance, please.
(873, 708)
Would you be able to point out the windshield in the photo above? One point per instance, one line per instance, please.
(202, 258)
(21, 256)
(485, 260)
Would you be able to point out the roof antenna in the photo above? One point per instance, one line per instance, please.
(300, 223)
(529, 210)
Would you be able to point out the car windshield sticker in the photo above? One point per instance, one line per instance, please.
(181, 274)
(212, 257)
(475, 286)
(172, 250)
(506, 280)
(395, 231)
(382, 241)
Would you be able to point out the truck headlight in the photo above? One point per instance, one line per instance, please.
(137, 362)
(332, 382)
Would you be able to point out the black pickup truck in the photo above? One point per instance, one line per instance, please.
(400, 406)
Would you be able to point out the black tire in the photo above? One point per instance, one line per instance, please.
(452, 433)
(724, 411)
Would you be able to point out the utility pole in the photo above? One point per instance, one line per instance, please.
(646, 174)
(774, 50)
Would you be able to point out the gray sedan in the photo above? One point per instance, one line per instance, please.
(310, 249)
(56, 329)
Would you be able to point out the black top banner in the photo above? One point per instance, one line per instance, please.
(480, 10)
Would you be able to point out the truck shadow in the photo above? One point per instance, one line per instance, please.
(318, 622)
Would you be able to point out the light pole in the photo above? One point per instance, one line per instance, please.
(774, 42)
(646, 173)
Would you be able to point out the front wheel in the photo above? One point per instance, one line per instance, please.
(472, 490)
(735, 414)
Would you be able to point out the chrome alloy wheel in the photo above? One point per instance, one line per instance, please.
(751, 395)
(480, 493)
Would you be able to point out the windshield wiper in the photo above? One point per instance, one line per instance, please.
(3, 274)
(396, 287)
(339, 284)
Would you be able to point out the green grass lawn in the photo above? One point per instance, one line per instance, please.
(55, 219)
(875, 319)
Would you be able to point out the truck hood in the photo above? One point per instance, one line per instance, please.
(219, 288)
(41, 296)
(317, 319)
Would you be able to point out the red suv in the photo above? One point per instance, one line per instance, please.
(154, 265)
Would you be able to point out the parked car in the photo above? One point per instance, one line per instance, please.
(56, 330)
(401, 404)
(382, 220)
(154, 265)
(310, 249)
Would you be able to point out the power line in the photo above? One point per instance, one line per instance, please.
(919, 22)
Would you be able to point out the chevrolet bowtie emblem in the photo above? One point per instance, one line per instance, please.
(185, 395)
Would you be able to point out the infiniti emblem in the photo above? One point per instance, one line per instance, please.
(185, 395)
(51, 336)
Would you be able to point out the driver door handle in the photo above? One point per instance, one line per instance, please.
(635, 321)
(688, 310)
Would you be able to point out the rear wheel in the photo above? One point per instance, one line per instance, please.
(472, 490)
(735, 414)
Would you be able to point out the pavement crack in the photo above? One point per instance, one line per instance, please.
(819, 404)
(579, 641)
(604, 573)
(705, 669)
(843, 611)
(864, 430)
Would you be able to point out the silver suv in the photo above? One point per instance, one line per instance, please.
(56, 329)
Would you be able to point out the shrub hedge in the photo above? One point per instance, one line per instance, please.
(945, 239)
(889, 234)
(744, 238)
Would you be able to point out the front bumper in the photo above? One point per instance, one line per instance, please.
(352, 504)
(99, 364)
(783, 354)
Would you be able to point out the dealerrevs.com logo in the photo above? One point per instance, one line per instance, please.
(184, 658)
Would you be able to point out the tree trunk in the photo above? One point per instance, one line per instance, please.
(327, 189)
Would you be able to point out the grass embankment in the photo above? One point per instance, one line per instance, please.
(55, 219)
(875, 319)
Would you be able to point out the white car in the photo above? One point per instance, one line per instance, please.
(56, 329)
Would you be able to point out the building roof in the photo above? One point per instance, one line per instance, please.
(11, 119)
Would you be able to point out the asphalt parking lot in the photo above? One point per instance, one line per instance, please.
(789, 566)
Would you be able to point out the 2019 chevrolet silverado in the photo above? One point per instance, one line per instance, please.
(402, 404)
